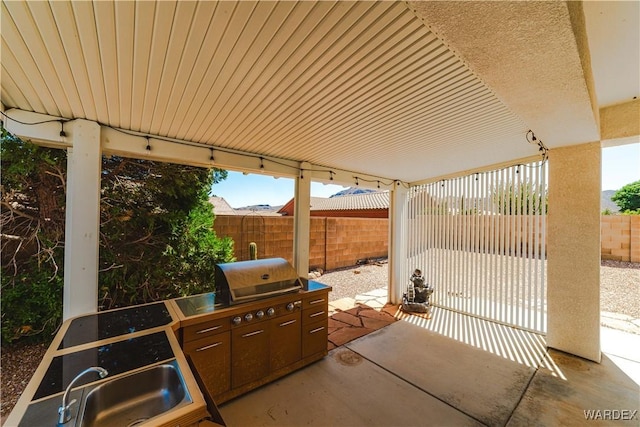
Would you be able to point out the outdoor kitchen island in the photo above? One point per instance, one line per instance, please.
(235, 349)
(192, 351)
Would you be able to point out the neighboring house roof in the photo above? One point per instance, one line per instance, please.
(355, 202)
(255, 212)
(220, 206)
(377, 200)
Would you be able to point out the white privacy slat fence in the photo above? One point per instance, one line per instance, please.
(480, 241)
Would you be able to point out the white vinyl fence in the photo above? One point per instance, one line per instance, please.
(480, 241)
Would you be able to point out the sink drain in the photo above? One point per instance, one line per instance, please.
(137, 422)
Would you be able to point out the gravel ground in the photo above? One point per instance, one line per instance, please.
(17, 365)
(351, 281)
(620, 290)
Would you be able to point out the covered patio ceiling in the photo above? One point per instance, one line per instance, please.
(408, 91)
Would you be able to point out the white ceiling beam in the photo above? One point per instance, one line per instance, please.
(40, 129)
(45, 130)
(130, 144)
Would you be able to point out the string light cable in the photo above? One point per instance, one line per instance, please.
(211, 158)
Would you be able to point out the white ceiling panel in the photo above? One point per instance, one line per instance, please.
(361, 86)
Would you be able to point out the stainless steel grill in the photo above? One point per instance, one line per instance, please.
(244, 281)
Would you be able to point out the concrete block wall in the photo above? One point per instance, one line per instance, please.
(340, 242)
(334, 242)
(634, 250)
(620, 237)
(351, 239)
(274, 235)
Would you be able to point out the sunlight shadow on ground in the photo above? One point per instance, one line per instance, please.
(525, 348)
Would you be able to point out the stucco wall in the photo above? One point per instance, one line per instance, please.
(573, 250)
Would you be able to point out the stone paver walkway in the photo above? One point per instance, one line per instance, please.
(352, 318)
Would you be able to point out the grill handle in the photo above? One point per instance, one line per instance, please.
(267, 294)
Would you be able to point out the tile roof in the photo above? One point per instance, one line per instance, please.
(220, 206)
(378, 200)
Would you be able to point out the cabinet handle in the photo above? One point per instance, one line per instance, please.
(313, 331)
(250, 334)
(317, 301)
(207, 347)
(320, 313)
(288, 323)
(204, 331)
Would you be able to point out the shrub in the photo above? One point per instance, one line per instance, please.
(156, 234)
(31, 305)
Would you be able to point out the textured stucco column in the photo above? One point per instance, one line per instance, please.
(397, 243)
(301, 225)
(82, 223)
(573, 250)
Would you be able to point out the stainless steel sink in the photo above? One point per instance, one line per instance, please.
(135, 398)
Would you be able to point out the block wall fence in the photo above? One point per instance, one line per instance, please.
(334, 242)
(341, 242)
(620, 237)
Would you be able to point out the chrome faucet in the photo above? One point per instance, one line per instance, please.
(63, 410)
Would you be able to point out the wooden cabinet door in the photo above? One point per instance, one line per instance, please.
(314, 338)
(211, 357)
(249, 353)
(285, 345)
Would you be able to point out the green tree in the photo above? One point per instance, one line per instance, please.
(628, 197)
(157, 214)
(520, 198)
(156, 235)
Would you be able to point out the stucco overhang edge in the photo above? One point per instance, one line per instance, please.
(545, 79)
(620, 121)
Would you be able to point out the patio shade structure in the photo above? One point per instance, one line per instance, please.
(388, 94)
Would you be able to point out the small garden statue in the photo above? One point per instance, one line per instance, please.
(418, 293)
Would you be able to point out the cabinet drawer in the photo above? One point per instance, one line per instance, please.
(320, 300)
(314, 338)
(314, 314)
(204, 329)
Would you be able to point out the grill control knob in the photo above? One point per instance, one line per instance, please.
(248, 317)
(237, 320)
(260, 314)
(271, 311)
(290, 306)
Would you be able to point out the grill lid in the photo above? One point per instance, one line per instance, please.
(249, 280)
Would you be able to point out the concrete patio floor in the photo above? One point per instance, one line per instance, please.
(451, 370)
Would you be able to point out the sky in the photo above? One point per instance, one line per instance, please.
(620, 166)
(253, 189)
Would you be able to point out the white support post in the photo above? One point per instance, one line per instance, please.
(573, 250)
(82, 226)
(302, 223)
(397, 243)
